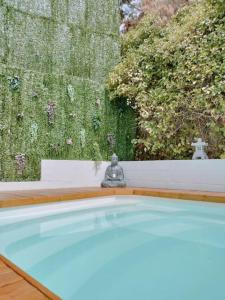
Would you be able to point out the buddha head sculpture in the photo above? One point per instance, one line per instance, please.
(114, 160)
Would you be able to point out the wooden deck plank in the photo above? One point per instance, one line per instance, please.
(18, 198)
(15, 284)
(182, 194)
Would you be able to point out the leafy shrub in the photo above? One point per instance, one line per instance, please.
(174, 76)
(220, 4)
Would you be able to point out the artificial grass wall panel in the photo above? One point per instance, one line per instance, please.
(54, 57)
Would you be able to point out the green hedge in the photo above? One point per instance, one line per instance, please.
(174, 76)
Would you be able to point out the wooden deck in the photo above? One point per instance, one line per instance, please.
(18, 198)
(17, 285)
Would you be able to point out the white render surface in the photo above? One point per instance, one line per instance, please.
(33, 185)
(79, 172)
(201, 175)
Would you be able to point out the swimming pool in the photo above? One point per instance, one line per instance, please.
(123, 247)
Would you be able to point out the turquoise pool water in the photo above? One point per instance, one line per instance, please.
(120, 248)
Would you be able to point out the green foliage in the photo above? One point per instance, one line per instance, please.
(174, 76)
(96, 152)
(219, 4)
(134, 38)
(53, 63)
(96, 120)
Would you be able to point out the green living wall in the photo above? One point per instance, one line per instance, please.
(54, 57)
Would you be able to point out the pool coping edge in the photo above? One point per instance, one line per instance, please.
(22, 198)
(29, 279)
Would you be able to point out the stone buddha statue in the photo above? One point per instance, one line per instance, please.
(114, 176)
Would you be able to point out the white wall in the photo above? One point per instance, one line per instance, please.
(203, 175)
(79, 173)
(62, 174)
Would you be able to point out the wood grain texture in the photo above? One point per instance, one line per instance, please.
(17, 285)
(11, 199)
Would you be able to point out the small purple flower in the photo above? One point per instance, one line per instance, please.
(21, 163)
(51, 112)
(55, 147)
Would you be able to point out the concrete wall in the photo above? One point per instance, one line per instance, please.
(78, 173)
(62, 174)
(205, 175)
